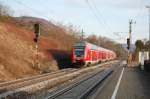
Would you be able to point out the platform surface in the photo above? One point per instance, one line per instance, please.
(134, 84)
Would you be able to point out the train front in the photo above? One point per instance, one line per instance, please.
(78, 52)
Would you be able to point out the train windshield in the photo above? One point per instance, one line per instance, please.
(79, 52)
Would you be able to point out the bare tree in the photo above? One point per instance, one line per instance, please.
(92, 39)
(5, 10)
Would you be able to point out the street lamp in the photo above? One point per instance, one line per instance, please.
(149, 20)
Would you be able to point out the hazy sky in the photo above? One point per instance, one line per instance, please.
(101, 17)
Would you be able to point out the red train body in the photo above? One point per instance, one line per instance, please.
(87, 53)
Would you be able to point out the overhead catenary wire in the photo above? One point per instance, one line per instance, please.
(97, 13)
(94, 13)
(100, 14)
(32, 9)
(104, 21)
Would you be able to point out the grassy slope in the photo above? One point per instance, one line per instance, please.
(17, 50)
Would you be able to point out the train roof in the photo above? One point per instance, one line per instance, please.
(85, 44)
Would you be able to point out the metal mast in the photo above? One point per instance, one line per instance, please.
(129, 41)
(149, 20)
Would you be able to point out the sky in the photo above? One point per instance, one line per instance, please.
(109, 18)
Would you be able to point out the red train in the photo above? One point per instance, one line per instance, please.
(86, 53)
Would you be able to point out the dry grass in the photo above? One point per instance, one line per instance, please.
(17, 50)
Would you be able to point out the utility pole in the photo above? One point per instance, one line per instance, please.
(82, 35)
(129, 41)
(36, 40)
(149, 20)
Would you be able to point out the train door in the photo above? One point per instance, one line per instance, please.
(100, 55)
(97, 56)
(91, 55)
(94, 55)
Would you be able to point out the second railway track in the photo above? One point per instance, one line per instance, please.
(8, 88)
(5, 84)
(82, 88)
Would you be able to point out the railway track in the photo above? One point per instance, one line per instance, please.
(4, 84)
(81, 89)
(7, 88)
(35, 83)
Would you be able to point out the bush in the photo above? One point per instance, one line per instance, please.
(5, 12)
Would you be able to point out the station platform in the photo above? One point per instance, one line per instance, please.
(134, 84)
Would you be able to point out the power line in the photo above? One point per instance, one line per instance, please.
(105, 22)
(94, 13)
(33, 10)
(98, 11)
(30, 8)
(97, 17)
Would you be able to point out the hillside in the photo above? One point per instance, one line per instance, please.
(18, 49)
(54, 33)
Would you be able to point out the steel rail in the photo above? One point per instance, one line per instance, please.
(29, 78)
(63, 91)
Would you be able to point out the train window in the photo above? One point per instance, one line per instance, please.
(79, 52)
(79, 47)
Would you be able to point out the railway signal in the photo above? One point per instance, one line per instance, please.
(36, 39)
(128, 43)
(37, 32)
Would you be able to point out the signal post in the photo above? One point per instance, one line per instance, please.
(36, 40)
(129, 39)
